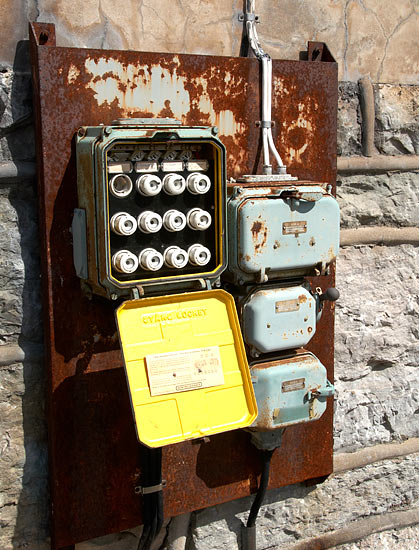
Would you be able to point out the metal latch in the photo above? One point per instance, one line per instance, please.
(312, 395)
(326, 391)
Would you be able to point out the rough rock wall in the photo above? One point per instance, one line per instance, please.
(367, 36)
(377, 350)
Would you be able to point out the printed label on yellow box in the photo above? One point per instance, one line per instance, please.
(184, 370)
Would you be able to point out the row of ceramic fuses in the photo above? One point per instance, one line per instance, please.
(152, 165)
(148, 221)
(150, 185)
(150, 259)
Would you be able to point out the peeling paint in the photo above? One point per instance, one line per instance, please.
(155, 89)
(72, 74)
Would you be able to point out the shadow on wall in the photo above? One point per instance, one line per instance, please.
(31, 528)
(235, 513)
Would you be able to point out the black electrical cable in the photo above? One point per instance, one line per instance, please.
(249, 530)
(152, 502)
(263, 485)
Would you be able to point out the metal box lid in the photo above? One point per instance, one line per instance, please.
(290, 391)
(275, 319)
(281, 232)
(186, 366)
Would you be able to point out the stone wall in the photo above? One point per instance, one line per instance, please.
(366, 36)
(377, 351)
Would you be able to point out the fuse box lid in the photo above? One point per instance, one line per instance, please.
(186, 366)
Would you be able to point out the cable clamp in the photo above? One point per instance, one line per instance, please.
(265, 123)
(248, 17)
(140, 490)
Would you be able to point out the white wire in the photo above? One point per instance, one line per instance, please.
(266, 61)
(265, 114)
(265, 141)
(274, 149)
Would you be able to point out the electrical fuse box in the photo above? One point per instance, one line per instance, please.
(289, 390)
(281, 231)
(151, 196)
(151, 216)
(278, 318)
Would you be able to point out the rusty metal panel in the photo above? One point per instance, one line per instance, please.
(94, 455)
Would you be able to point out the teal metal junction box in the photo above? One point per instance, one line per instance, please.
(289, 391)
(278, 318)
(281, 231)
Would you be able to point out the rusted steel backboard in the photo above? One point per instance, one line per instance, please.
(94, 455)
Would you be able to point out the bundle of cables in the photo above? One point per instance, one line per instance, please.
(152, 491)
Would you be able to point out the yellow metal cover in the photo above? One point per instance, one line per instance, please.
(186, 366)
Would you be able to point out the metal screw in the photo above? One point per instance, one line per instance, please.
(114, 296)
(215, 130)
(107, 131)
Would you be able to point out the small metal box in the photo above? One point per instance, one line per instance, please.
(289, 391)
(276, 319)
(282, 231)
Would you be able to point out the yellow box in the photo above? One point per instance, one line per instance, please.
(186, 366)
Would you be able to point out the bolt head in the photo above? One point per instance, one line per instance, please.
(215, 130)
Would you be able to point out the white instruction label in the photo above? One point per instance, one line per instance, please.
(186, 370)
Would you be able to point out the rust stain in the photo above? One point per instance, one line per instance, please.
(331, 255)
(167, 111)
(268, 364)
(256, 227)
(264, 419)
(259, 235)
(302, 299)
(310, 330)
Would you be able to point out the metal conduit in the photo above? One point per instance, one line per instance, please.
(12, 172)
(360, 529)
(389, 236)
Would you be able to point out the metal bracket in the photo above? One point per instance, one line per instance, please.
(137, 292)
(265, 124)
(79, 230)
(146, 122)
(140, 490)
(244, 17)
(42, 34)
(318, 51)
